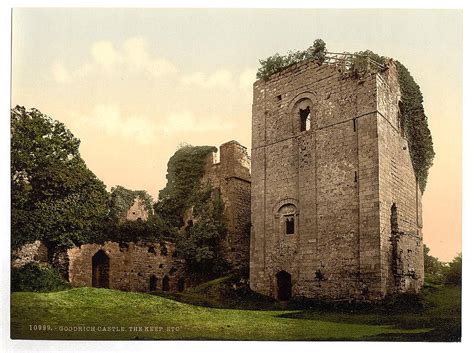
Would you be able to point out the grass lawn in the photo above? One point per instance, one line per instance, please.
(114, 314)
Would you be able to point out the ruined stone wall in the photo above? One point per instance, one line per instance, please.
(131, 265)
(326, 178)
(137, 211)
(30, 252)
(402, 250)
(231, 176)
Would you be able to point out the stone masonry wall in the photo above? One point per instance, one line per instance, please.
(131, 265)
(30, 252)
(231, 176)
(137, 211)
(328, 175)
(402, 250)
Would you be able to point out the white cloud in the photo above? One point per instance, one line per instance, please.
(60, 73)
(220, 79)
(246, 79)
(109, 120)
(105, 55)
(133, 55)
(186, 121)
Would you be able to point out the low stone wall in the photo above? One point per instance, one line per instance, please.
(31, 252)
(140, 267)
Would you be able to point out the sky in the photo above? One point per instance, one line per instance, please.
(133, 84)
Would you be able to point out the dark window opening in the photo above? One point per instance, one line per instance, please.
(305, 119)
(133, 212)
(394, 219)
(354, 125)
(151, 250)
(166, 284)
(283, 285)
(163, 250)
(279, 97)
(153, 283)
(290, 225)
(139, 219)
(356, 178)
(100, 270)
(181, 284)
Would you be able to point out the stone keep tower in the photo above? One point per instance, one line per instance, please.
(336, 209)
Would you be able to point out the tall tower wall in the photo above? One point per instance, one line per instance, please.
(315, 163)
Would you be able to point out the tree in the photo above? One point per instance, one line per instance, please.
(55, 197)
(454, 271)
(434, 268)
(199, 242)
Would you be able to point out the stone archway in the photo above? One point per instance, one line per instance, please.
(283, 286)
(181, 284)
(153, 283)
(166, 284)
(100, 270)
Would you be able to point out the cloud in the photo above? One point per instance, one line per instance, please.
(132, 55)
(220, 79)
(186, 121)
(109, 120)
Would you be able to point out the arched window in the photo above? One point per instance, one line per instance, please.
(305, 119)
(153, 283)
(286, 217)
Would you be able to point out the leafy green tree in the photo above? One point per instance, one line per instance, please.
(454, 271)
(434, 268)
(54, 196)
(199, 242)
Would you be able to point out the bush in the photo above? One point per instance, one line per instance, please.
(454, 271)
(34, 277)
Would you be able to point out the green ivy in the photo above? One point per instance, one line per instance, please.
(185, 170)
(199, 242)
(277, 62)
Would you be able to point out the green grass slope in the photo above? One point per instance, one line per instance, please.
(90, 313)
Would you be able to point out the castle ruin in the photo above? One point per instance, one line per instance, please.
(336, 208)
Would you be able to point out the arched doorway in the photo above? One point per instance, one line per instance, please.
(153, 283)
(181, 284)
(100, 270)
(283, 285)
(166, 284)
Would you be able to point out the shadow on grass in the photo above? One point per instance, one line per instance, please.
(436, 309)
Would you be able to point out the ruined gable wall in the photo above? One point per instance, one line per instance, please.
(137, 210)
(316, 169)
(131, 265)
